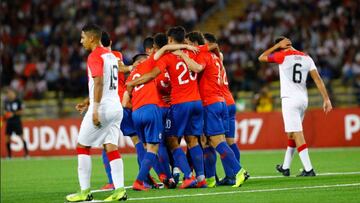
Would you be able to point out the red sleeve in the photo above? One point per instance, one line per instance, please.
(203, 48)
(161, 63)
(277, 57)
(201, 59)
(96, 65)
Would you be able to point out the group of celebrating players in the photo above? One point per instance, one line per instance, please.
(177, 88)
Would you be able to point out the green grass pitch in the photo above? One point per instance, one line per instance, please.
(51, 179)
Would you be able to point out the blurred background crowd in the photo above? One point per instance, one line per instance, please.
(41, 51)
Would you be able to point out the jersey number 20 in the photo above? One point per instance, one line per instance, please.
(297, 73)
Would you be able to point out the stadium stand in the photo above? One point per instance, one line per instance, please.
(42, 57)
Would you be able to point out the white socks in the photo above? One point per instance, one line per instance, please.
(117, 172)
(117, 169)
(304, 157)
(84, 170)
(289, 155)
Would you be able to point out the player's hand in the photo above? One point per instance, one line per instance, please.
(129, 88)
(136, 63)
(81, 107)
(193, 49)
(327, 106)
(96, 119)
(285, 43)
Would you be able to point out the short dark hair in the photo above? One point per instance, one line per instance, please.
(94, 29)
(278, 39)
(105, 39)
(138, 56)
(196, 37)
(177, 33)
(148, 43)
(210, 37)
(160, 40)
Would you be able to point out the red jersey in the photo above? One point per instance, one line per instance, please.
(121, 76)
(229, 99)
(146, 93)
(164, 87)
(210, 80)
(184, 87)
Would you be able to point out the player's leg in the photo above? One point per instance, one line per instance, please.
(193, 131)
(8, 132)
(209, 162)
(174, 129)
(107, 167)
(18, 128)
(230, 134)
(117, 172)
(303, 154)
(289, 155)
(84, 173)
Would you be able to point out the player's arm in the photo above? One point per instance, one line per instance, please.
(192, 65)
(124, 68)
(143, 79)
(126, 101)
(320, 85)
(282, 44)
(82, 106)
(174, 47)
(98, 90)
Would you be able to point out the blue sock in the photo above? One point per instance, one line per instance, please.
(140, 150)
(146, 164)
(197, 158)
(181, 161)
(236, 151)
(210, 162)
(107, 166)
(164, 159)
(228, 157)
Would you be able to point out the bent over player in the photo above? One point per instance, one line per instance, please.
(294, 67)
(100, 126)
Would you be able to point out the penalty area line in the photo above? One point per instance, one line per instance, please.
(246, 191)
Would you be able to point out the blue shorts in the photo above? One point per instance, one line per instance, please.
(232, 114)
(185, 119)
(147, 122)
(127, 125)
(216, 119)
(164, 113)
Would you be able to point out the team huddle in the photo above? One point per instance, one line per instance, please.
(177, 89)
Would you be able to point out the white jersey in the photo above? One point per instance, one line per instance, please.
(101, 62)
(294, 67)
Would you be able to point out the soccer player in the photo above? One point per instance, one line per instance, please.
(294, 67)
(215, 111)
(185, 114)
(146, 116)
(100, 125)
(230, 104)
(13, 110)
(127, 126)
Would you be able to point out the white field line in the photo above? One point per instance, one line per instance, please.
(247, 191)
(264, 177)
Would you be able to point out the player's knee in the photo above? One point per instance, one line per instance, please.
(110, 147)
(191, 141)
(135, 139)
(153, 148)
(172, 143)
(230, 141)
(216, 139)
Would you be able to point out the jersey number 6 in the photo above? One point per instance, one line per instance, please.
(297, 73)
